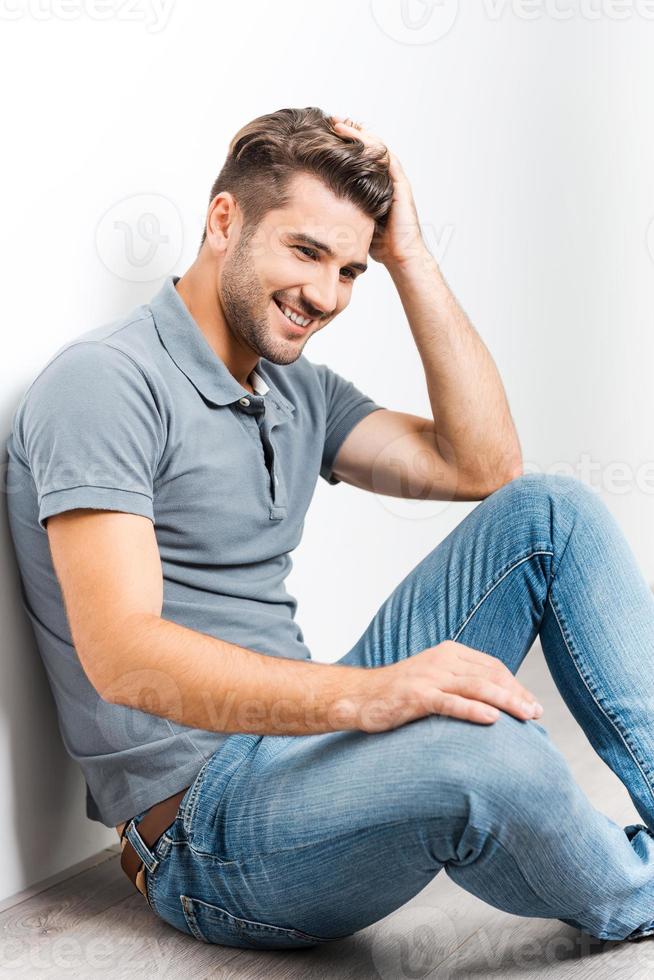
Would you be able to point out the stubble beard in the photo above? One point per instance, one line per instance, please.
(246, 305)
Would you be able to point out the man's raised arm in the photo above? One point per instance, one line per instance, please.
(474, 432)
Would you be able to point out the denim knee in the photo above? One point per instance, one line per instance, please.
(542, 488)
(549, 502)
(500, 775)
(470, 783)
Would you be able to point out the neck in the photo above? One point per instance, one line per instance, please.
(197, 288)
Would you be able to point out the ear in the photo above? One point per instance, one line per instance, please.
(224, 218)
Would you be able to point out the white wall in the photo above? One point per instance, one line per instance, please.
(526, 131)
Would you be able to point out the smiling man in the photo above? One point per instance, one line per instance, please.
(160, 470)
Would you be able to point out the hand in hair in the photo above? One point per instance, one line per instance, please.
(401, 240)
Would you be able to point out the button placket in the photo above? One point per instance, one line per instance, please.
(278, 489)
(276, 415)
(267, 414)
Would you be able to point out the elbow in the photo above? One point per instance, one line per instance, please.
(513, 470)
(483, 484)
(505, 474)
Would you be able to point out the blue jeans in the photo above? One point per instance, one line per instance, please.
(292, 841)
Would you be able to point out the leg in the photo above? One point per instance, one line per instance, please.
(542, 555)
(318, 836)
(291, 841)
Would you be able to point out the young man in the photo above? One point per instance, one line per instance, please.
(160, 469)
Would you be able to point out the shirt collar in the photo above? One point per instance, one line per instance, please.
(190, 350)
(258, 383)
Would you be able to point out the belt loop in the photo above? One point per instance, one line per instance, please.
(137, 858)
(143, 851)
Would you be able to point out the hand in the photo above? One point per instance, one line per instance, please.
(448, 679)
(402, 238)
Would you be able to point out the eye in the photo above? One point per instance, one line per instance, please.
(307, 251)
(312, 254)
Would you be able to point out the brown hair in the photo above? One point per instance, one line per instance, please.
(267, 152)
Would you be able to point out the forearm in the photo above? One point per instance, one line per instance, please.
(474, 428)
(206, 683)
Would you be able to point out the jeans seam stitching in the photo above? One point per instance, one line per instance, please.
(492, 588)
(613, 723)
(191, 811)
(248, 926)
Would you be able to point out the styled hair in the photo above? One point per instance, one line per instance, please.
(268, 151)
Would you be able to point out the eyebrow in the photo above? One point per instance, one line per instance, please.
(321, 247)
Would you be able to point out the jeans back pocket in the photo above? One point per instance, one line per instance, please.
(212, 924)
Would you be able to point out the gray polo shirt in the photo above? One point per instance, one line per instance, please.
(140, 415)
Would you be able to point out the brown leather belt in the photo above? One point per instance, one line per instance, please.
(150, 828)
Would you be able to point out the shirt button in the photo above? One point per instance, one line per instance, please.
(244, 401)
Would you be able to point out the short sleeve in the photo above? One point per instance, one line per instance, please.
(345, 405)
(91, 432)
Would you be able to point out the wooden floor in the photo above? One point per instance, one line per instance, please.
(94, 924)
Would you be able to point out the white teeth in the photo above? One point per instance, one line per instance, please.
(295, 317)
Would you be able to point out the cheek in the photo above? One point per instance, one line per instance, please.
(343, 298)
(279, 271)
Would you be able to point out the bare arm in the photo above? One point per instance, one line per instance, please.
(109, 569)
(208, 683)
(473, 426)
(477, 448)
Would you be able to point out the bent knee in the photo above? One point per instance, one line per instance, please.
(548, 500)
(508, 761)
(544, 486)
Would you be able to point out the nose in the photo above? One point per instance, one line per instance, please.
(322, 292)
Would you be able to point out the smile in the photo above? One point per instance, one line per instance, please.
(296, 318)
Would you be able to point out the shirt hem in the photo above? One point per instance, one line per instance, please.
(155, 793)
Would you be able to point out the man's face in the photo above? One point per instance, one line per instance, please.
(303, 258)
